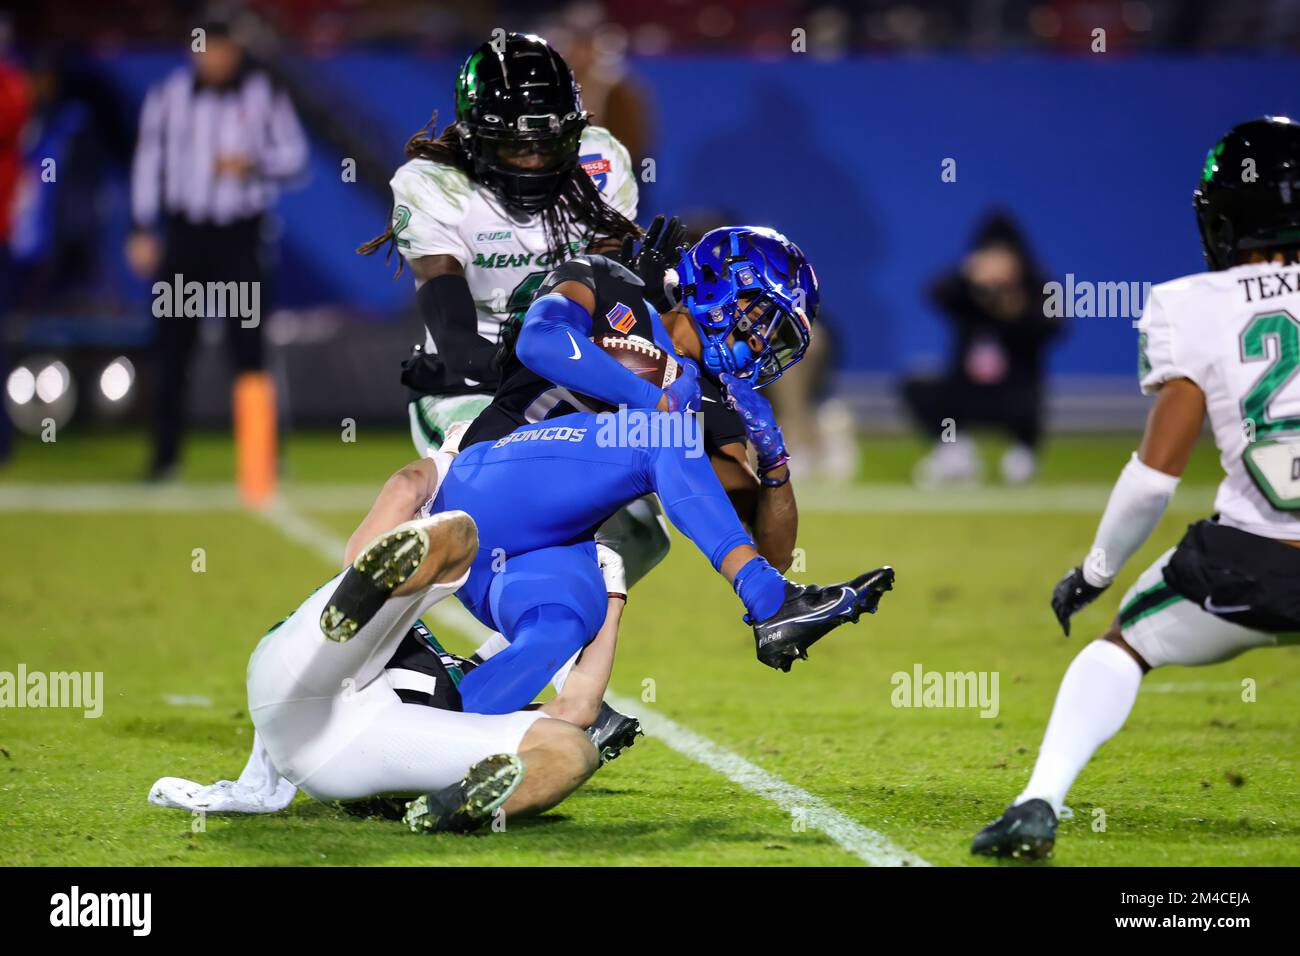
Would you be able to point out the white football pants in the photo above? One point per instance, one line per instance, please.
(333, 724)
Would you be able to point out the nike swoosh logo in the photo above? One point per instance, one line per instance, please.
(577, 354)
(707, 399)
(845, 593)
(1226, 608)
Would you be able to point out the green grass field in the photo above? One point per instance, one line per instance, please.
(99, 578)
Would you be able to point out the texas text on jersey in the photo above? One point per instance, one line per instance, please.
(524, 397)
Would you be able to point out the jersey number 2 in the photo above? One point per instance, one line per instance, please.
(1284, 330)
(1273, 464)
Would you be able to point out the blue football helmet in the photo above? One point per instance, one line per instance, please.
(752, 284)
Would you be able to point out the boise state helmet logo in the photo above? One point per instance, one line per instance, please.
(621, 318)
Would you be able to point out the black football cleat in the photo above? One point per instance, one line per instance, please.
(1026, 831)
(385, 564)
(612, 732)
(470, 803)
(811, 612)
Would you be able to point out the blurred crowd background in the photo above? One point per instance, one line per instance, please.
(746, 27)
(897, 143)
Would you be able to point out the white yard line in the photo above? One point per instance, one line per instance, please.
(873, 848)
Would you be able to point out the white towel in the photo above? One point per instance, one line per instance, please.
(259, 789)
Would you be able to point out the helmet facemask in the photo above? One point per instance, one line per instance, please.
(491, 147)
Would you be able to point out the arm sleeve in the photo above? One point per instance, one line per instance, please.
(146, 166)
(449, 314)
(1161, 357)
(722, 425)
(1136, 503)
(554, 342)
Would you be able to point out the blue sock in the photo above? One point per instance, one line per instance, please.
(761, 588)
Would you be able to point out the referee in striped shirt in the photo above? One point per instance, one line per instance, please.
(216, 139)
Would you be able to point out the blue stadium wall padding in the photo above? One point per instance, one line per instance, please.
(1096, 155)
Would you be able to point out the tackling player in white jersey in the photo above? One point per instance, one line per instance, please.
(483, 212)
(1225, 343)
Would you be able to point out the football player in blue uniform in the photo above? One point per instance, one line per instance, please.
(534, 575)
(746, 297)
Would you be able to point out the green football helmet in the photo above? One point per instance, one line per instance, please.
(517, 98)
(1249, 194)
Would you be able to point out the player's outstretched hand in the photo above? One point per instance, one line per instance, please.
(756, 413)
(683, 395)
(1071, 595)
(654, 257)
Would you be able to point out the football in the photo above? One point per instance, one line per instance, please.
(639, 356)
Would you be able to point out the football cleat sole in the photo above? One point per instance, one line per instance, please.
(385, 564)
(471, 803)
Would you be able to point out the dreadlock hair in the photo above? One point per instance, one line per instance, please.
(577, 204)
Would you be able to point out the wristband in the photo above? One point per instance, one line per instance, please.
(767, 482)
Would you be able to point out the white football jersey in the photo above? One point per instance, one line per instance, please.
(1236, 334)
(439, 211)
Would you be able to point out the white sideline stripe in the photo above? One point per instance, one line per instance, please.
(187, 700)
(813, 499)
(296, 527)
(871, 847)
(78, 498)
(1189, 687)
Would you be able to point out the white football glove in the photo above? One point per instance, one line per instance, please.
(611, 569)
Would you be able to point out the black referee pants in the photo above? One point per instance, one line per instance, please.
(202, 253)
